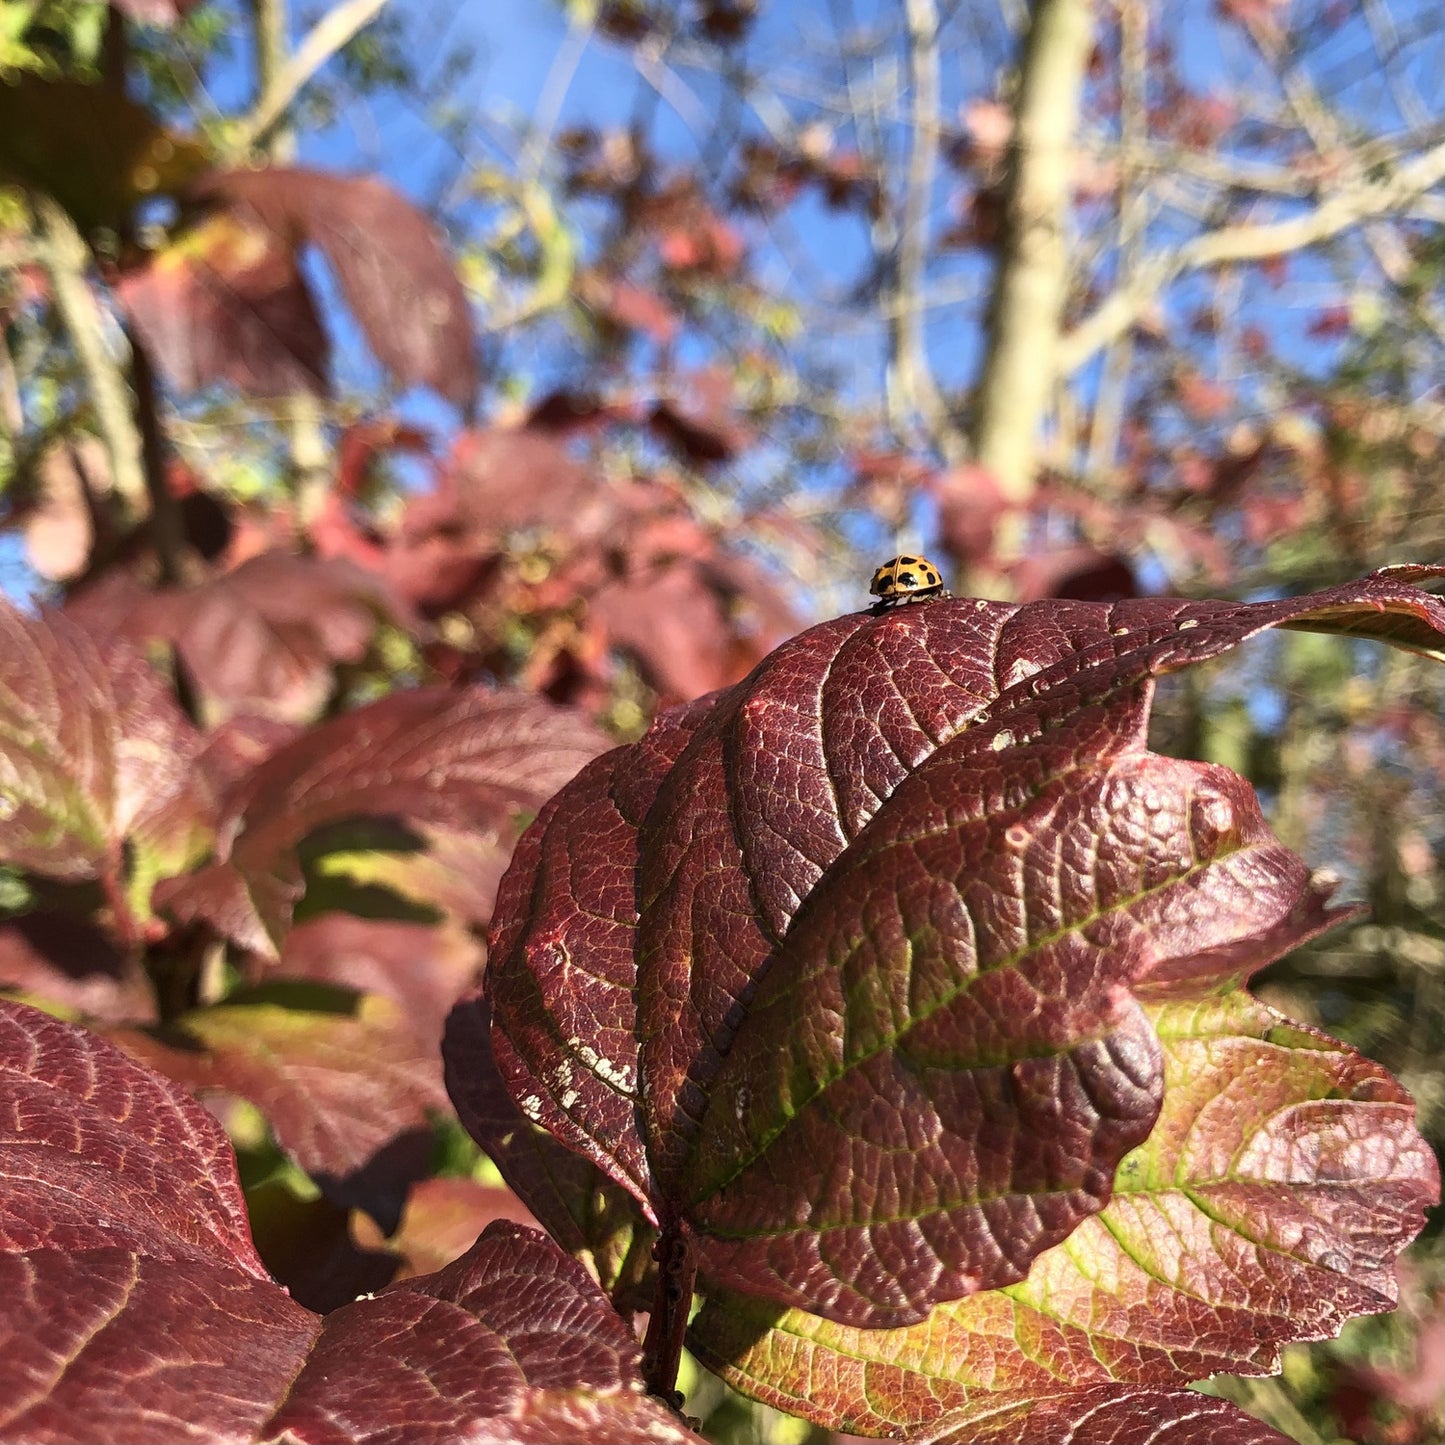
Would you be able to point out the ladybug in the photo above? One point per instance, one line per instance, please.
(907, 579)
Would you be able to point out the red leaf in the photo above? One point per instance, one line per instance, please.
(387, 257)
(67, 960)
(164, 13)
(511, 1343)
(706, 243)
(136, 1308)
(499, 480)
(879, 1069)
(578, 1204)
(970, 507)
(680, 622)
(226, 302)
(1267, 1206)
(441, 1222)
(473, 759)
(1203, 399)
(420, 967)
(363, 441)
(95, 758)
(701, 419)
(235, 749)
(629, 306)
(1105, 1415)
(82, 1125)
(1331, 322)
(264, 639)
(345, 1084)
(1083, 572)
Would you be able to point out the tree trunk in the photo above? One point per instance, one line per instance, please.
(1023, 326)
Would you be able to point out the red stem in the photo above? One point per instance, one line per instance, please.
(662, 1348)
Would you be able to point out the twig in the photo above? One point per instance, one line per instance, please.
(548, 109)
(66, 259)
(168, 533)
(1327, 137)
(912, 391)
(1340, 212)
(327, 36)
(308, 455)
(1133, 124)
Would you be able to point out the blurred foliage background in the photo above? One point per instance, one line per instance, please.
(593, 347)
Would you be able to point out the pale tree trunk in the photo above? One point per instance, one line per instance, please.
(1023, 328)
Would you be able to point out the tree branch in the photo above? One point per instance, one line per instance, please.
(12, 410)
(1133, 201)
(912, 392)
(1327, 136)
(66, 258)
(1340, 212)
(327, 36)
(1023, 325)
(308, 454)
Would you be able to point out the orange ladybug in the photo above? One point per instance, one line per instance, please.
(907, 579)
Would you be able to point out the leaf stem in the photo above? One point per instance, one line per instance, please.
(662, 1348)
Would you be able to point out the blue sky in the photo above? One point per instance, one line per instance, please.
(513, 64)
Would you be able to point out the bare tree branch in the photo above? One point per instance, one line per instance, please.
(1327, 136)
(1340, 212)
(66, 259)
(328, 35)
(553, 96)
(912, 391)
(1133, 203)
(308, 454)
(1019, 369)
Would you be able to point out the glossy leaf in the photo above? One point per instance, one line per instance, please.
(470, 757)
(512, 1342)
(134, 1308)
(95, 758)
(1267, 1206)
(575, 1201)
(881, 918)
